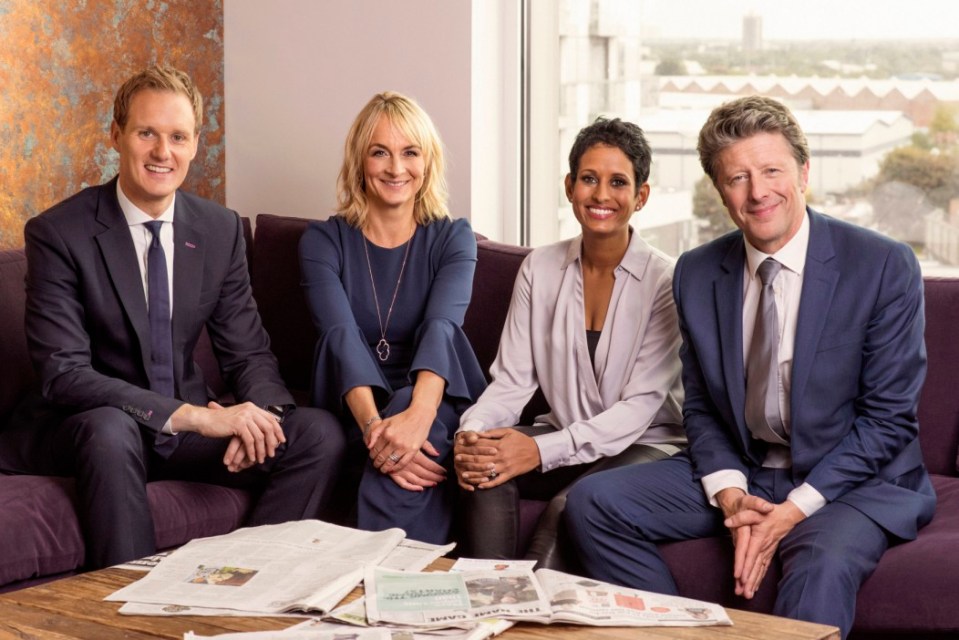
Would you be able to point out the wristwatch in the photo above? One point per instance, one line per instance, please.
(280, 411)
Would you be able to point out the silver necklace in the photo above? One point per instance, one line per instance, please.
(383, 346)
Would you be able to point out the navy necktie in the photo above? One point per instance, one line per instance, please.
(161, 337)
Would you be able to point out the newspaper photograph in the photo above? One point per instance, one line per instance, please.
(302, 566)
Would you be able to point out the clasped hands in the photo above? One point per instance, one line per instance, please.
(487, 459)
(398, 447)
(757, 527)
(254, 433)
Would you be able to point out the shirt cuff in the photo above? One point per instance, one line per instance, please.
(723, 479)
(807, 499)
(168, 427)
(554, 449)
(471, 425)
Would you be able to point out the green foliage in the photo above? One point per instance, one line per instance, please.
(708, 206)
(936, 175)
(670, 67)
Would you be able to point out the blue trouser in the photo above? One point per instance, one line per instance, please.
(616, 518)
(424, 515)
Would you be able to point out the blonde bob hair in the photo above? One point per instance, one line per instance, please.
(407, 116)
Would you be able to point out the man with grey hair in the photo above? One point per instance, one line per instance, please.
(122, 278)
(803, 361)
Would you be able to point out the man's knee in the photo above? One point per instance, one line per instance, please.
(317, 431)
(106, 434)
(584, 502)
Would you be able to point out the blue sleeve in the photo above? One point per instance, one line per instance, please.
(441, 345)
(343, 359)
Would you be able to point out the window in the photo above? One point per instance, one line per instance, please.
(880, 109)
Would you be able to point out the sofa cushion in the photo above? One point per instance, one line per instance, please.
(927, 567)
(40, 534)
(279, 296)
(16, 372)
(938, 409)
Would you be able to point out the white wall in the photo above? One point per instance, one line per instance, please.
(298, 71)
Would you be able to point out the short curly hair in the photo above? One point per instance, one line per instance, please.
(625, 136)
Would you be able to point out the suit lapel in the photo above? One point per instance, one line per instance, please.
(728, 290)
(119, 256)
(187, 268)
(819, 284)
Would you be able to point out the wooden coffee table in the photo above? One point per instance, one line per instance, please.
(74, 608)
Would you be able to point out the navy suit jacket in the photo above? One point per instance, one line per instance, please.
(858, 368)
(86, 319)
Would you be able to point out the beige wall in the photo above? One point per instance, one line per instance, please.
(297, 72)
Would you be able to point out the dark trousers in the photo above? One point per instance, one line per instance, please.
(491, 517)
(381, 503)
(615, 519)
(112, 458)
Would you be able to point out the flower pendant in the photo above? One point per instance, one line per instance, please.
(383, 350)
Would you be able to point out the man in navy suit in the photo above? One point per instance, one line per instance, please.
(813, 459)
(122, 278)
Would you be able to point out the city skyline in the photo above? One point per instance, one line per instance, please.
(847, 20)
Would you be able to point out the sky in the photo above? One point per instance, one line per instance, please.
(808, 20)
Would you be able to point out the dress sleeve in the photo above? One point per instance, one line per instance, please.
(513, 372)
(440, 344)
(343, 359)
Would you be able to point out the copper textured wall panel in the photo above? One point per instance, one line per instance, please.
(60, 66)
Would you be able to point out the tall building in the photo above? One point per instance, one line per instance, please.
(752, 32)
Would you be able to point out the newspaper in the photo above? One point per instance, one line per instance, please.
(547, 596)
(319, 630)
(408, 555)
(298, 566)
(480, 631)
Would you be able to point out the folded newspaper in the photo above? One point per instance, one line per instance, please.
(546, 596)
(297, 566)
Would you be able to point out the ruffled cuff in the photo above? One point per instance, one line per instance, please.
(343, 360)
(443, 348)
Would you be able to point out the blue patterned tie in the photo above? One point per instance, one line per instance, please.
(161, 336)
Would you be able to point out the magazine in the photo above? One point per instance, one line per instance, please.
(546, 596)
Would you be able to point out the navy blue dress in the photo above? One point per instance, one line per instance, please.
(424, 332)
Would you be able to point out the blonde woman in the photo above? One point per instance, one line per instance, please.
(388, 280)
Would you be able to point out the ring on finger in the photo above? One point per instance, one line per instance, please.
(394, 458)
(492, 475)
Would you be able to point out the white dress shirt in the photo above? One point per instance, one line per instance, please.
(143, 238)
(632, 393)
(788, 290)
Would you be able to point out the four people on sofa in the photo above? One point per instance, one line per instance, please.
(800, 339)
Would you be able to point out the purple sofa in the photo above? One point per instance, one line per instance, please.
(911, 595)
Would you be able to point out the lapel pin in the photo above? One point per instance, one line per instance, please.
(190, 245)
